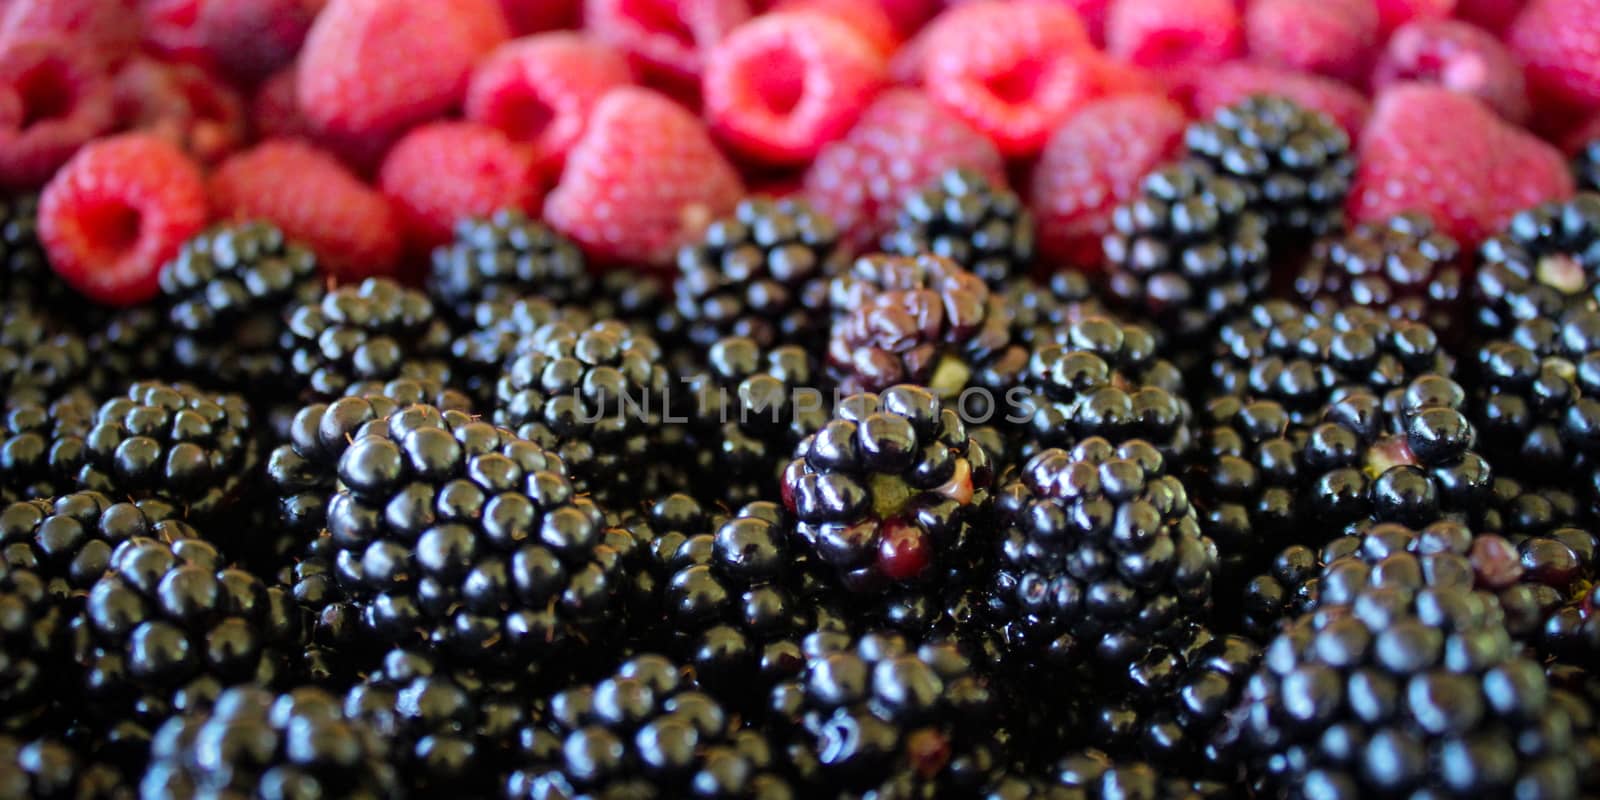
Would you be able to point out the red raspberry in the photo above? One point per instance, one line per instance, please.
(172, 29)
(534, 16)
(445, 171)
(1559, 42)
(1449, 156)
(908, 16)
(666, 40)
(644, 180)
(1337, 39)
(107, 28)
(541, 89)
(868, 19)
(274, 112)
(1174, 34)
(1112, 77)
(1490, 15)
(1093, 164)
(1394, 13)
(116, 212)
(53, 98)
(905, 64)
(783, 85)
(901, 143)
(1231, 83)
(308, 194)
(1013, 70)
(182, 104)
(1459, 57)
(252, 39)
(373, 68)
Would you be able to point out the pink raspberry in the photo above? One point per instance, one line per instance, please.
(274, 112)
(314, 199)
(783, 85)
(171, 30)
(54, 97)
(1230, 83)
(542, 88)
(1459, 57)
(901, 143)
(1448, 155)
(1094, 163)
(535, 16)
(1338, 39)
(1014, 71)
(644, 180)
(1490, 15)
(444, 171)
(905, 64)
(666, 40)
(371, 69)
(107, 28)
(1559, 42)
(252, 39)
(1394, 13)
(116, 212)
(868, 19)
(182, 104)
(1174, 34)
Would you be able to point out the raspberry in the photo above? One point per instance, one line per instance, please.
(642, 181)
(541, 90)
(183, 104)
(868, 19)
(252, 39)
(53, 98)
(1173, 33)
(533, 16)
(1231, 83)
(1459, 57)
(116, 212)
(274, 111)
(1447, 155)
(901, 143)
(1556, 41)
(1094, 163)
(1335, 39)
(1014, 71)
(107, 28)
(1490, 15)
(785, 84)
(908, 16)
(666, 40)
(1394, 13)
(447, 171)
(371, 69)
(313, 199)
(172, 31)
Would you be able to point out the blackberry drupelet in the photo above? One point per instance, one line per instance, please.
(48, 769)
(760, 273)
(919, 319)
(503, 257)
(1296, 161)
(1100, 554)
(377, 330)
(890, 491)
(41, 447)
(1404, 267)
(645, 731)
(255, 743)
(1546, 261)
(593, 395)
(227, 293)
(1189, 251)
(988, 230)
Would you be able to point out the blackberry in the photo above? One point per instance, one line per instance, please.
(1296, 161)
(449, 530)
(760, 273)
(500, 331)
(986, 229)
(1546, 583)
(256, 743)
(1403, 266)
(880, 716)
(1546, 261)
(1515, 510)
(25, 275)
(130, 345)
(916, 319)
(1093, 774)
(49, 769)
(1188, 251)
(38, 363)
(377, 330)
(595, 396)
(645, 731)
(503, 257)
(1246, 481)
(1099, 553)
(1039, 313)
(1586, 166)
(41, 447)
(890, 490)
(227, 291)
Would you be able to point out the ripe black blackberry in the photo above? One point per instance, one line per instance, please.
(1040, 312)
(919, 319)
(1246, 483)
(25, 274)
(500, 330)
(890, 491)
(41, 447)
(449, 530)
(49, 769)
(1546, 584)
(880, 716)
(1100, 554)
(227, 292)
(644, 731)
(1403, 266)
(1093, 774)
(1586, 166)
(1546, 261)
(503, 257)
(1517, 510)
(130, 345)
(759, 273)
(38, 361)
(593, 395)
(1189, 251)
(1296, 161)
(960, 216)
(377, 330)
